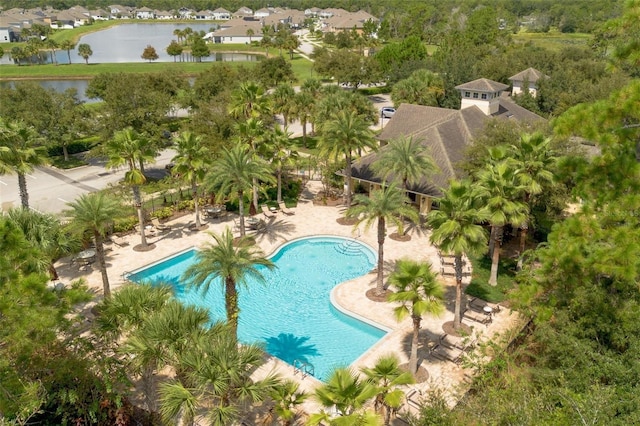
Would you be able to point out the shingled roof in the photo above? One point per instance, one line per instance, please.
(483, 85)
(446, 133)
(530, 74)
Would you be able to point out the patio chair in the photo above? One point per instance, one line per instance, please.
(267, 213)
(454, 342)
(478, 304)
(482, 318)
(447, 354)
(284, 209)
(159, 226)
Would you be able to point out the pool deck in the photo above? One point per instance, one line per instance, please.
(310, 220)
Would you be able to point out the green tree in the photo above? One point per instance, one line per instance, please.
(191, 163)
(229, 265)
(85, 51)
(20, 154)
(303, 110)
(18, 54)
(457, 230)
(281, 152)
(45, 232)
(345, 391)
(423, 87)
(95, 213)
(199, 49)
(252, 133)
(149, 53)
(501, 193)
(387, 204)
(67, 45)
(287, 396)
(419, 293)
(174, 49)
(130, 148)
(386, 376)
(342, 136)
(233, 174)
(283, 101)
(52, 45)
(249, 100)
(250, 33)
(271, 72)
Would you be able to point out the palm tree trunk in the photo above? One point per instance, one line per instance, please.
(106, 289)
(304, 133)
(380, 281)
(194, 191)
(241, 208)
(22, 186)
(524, 229)
(458, 307)
(231, 306)
(495, 258)
(65, 152)
(254, 204)
(149, 386)
(492, 241)
(53, 273)
(413, 358)
(137, 199)
(347, 195)
(279, 185)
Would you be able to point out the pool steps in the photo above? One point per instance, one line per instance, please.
(304, 368)
(349, 247)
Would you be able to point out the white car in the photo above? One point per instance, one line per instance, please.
(387, 112)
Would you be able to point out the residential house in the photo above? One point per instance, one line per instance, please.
(204, 15)
(235, 31)
(348, 21)
(446, 133)
(99, 15)
(145, 13)
(243, 13)
(312, 13)
(221, 14)
(526, 80)
(8, 30)
(163, 15)
(186, 13)
(290, 17)
(120, 12)
(262, 13)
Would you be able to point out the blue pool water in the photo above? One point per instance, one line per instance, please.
(292, 312)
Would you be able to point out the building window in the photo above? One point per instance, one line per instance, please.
(475, 95)
(467, 94)
(484, 96)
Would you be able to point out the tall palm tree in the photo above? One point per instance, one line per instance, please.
(341, 137)
(233, 173)
(535, 161)
(67, 45)
(345, 391)
(220, 381)
(230, 265)
(95, 213)
(420, 293)
(501, 194)
(303, 111)
(382, 205)
(457, 230)
(191, 162)
(252, 133)
(20, 154)
(386, 375)
(130, 148)
(250, 33)
(52, 45)
(407, 160)
(249, 100)
(281, 152)
(283, 98)
(46, 232)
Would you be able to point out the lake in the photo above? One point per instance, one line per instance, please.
(125, 43)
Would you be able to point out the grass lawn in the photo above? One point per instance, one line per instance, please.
(479, 286)
(554, 40)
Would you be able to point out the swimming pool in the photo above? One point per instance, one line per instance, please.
(292, 312)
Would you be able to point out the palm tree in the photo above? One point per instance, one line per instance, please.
(291, 43)
(343, 135)
(303, 111)
(382, 205)
(130, 148)
(46, 232)
(252, 133)
(345, 391)
(231, 265)
(407, 160)
(249, 100)
(420, 293)
(19, 154)
(535, 161)
(500, 190)
(52, 45)
(67, 45)
(250, 34)
(220, 380)
(233, 174)
(287, 397)
(95, 213)
(191, 162)
(457, 230)
(283, 101)
(281, 153)
(385, 376)
(85, 51)
(178, 33)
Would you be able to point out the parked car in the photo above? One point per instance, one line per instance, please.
(387, 112)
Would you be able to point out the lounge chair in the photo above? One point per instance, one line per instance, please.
(159, 226)
(479, 305)
(447, 354)
(454, 342)
(482, 318)
(284, 209)
(267, 213)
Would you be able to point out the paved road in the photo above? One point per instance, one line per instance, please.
(50, 189)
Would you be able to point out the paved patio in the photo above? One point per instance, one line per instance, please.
(321, 220)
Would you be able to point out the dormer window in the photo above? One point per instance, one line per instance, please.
(475, 95)
(484, 96)
(467, 94)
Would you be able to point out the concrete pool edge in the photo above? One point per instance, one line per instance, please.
(127, 274)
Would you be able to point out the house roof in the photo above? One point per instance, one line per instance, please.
(446, 134)
(530, 74)
(483, 85)
(238, 28)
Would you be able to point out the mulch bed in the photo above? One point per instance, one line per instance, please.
(346, 221)
(397, 237)
(371, 295)
(140, 247)
(422, 375)
(464, 329)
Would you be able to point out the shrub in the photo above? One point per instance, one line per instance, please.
(185, 205)
(125, 224)
(163, 213)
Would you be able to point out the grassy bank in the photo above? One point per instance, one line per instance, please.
(554, 40)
